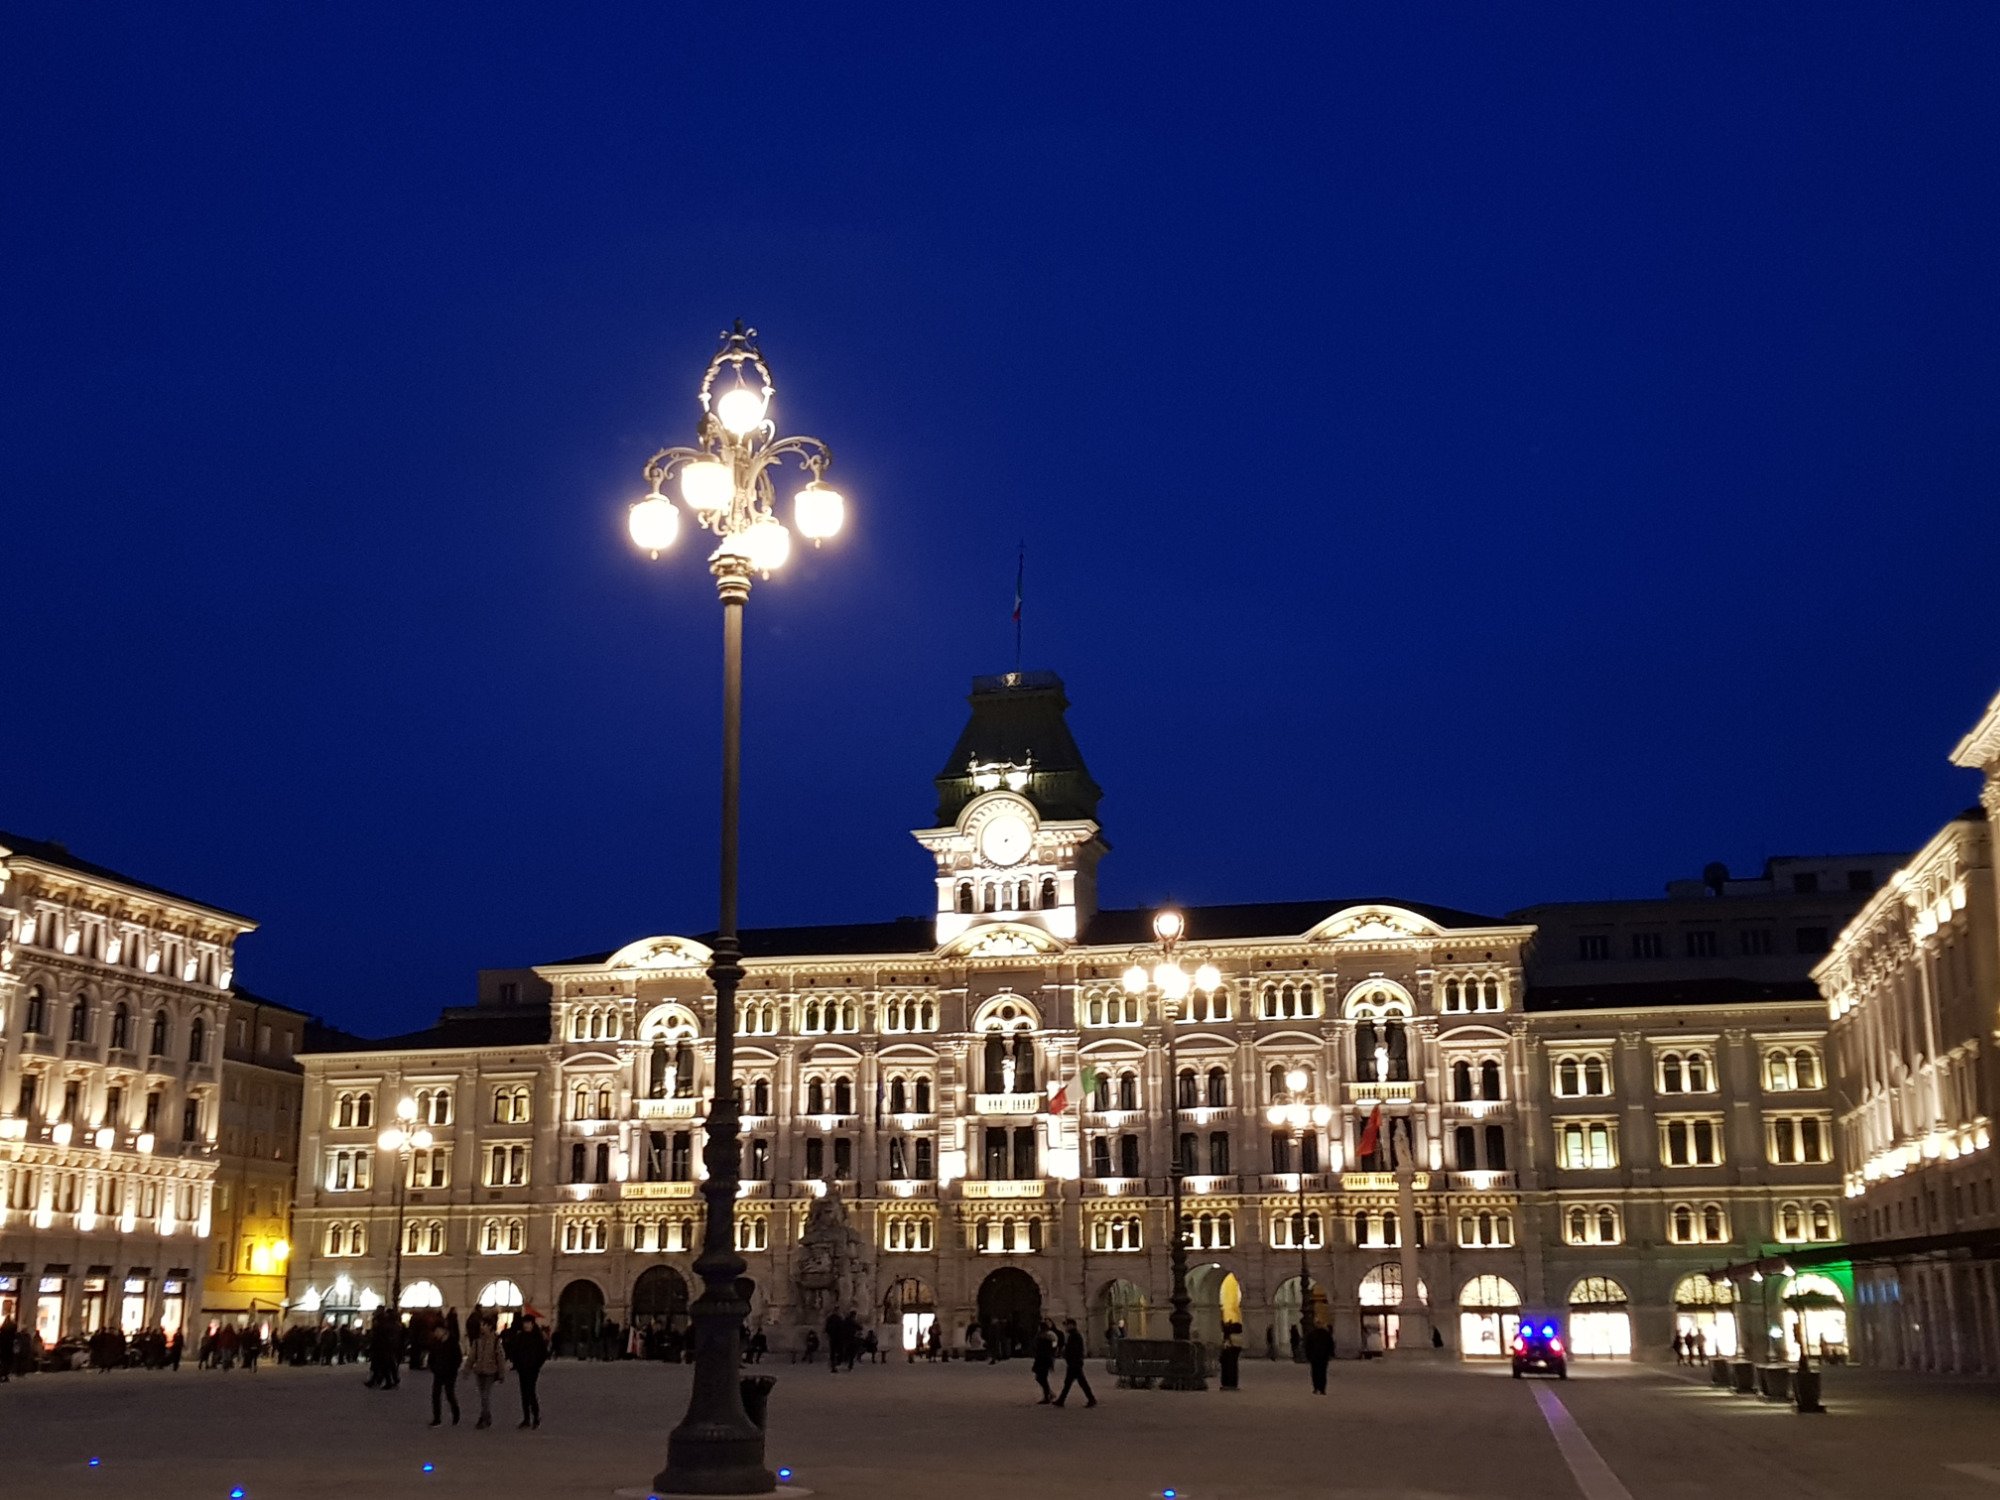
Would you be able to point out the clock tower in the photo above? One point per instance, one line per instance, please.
(1017, 837)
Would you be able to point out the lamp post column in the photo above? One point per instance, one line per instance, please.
(1180, 1319)
(402, 1205)
(1307, 1317)
(717, 1449)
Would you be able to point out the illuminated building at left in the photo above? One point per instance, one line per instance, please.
(114, 1002)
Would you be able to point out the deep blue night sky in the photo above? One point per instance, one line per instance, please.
(1484, 460)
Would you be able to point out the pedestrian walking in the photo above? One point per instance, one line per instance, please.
(1319, 1354)
(853, 1336)
(936, 1344)
(484, 1355)
(445, 1358)
(1046, 1344)
(528, 1351)
(836, 1341)
(1073, 1365)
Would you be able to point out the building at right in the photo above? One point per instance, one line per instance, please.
(1912, 987)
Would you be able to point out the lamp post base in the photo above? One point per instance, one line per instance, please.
(711, 1459)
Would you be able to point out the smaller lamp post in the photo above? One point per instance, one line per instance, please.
(404, 1138)
(1172, 984)
(1297, 1113)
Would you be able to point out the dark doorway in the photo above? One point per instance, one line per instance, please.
(659, 1297)
(579, 1317)
(1010, 1308)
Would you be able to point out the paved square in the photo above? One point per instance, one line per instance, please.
(975, 1432)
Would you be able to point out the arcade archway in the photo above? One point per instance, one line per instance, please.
(1117, 1311)
(1286, 1323)
(659, 1297)
(1010, 1310)
(1215, 1298)
(1489, 1310)
(911, 1307)
(1381, 1294)
(1600, 1319)
(579, 1316)
(1705, 1310)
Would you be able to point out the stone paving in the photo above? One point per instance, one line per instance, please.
(1418, 1430)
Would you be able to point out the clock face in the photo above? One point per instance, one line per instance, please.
(1005, 839)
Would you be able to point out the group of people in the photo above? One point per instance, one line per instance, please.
(1066, 1345)
(846, 1341)
(485, 1349)
(23, 1350)
(1690, 1348)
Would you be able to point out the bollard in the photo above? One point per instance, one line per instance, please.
(757, 1395)
(1805, 1388)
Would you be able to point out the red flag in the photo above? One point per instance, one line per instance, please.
(1059, 1100)
(1371, 1134)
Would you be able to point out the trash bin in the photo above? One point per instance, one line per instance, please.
(1805, 1387)
(757, 1395)
(1718, 1372)
(1230, 1357)
(1746, 1377)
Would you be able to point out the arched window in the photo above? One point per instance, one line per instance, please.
(656, 1069)
(1048, 892)
(843, 1095)
(1128, 1156)
(1671, 1080)
(1697, 1073)
(1489, 1079)
(1398, 1042)
(1185, 1093)
(79, 1019)
(815, 1097)
(1593, 1075)
(899, 1097)
(683, 1070)
(1461, 1080)
(1805, 1070)
(1777, 1071)
(1713, 1228)
(1496, 1148)
(1128, 1090)
(1567, 1077)
(1218, 1153)
(760, 1097)
(1218, 1088)
(995, 1059)
(1607, 1227)
(1579, 1223)
(576, 1162)
(1683, 1224)
(159, 1047)
(1024, 1065)
(1364, 1051)
(1465, 1148)
(923, 1092)
(1100, 1156)
(121, 1026)
(965, 895)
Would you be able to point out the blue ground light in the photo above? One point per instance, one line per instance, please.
(430, 1468)
(95, 1462)
(784, 1476)
(238, 1493)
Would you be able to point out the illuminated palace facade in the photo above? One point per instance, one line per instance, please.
(113, 999)
(1577, 1161)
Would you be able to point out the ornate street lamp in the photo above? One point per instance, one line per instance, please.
(1171, 984)
(727, 483)
(403, 1138)
(1297, 1113)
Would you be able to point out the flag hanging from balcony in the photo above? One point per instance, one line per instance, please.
(1371, 1136)
(1059, 1097)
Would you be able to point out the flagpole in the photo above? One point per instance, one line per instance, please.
(1020, 577)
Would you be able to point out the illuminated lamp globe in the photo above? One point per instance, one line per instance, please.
(390, 1139)
(422, 1140)
(654, 523)
(1168, 925)
(1275, 1114)
(1322, 1115)
(1297, 1079)
(818, 511)
(105, 1136)
(767, 544)
(406, 1109)
(1172, 980)
(1208, 979)
(741, 409)
(1135, 980)
(706, 486)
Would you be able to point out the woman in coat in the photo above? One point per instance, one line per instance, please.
(486, 1360)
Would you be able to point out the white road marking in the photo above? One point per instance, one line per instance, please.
(1988, 1472)
(1593, 1475)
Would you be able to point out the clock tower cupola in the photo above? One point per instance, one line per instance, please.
(1016, 837)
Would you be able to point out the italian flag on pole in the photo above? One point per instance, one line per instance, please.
(1059, 1095)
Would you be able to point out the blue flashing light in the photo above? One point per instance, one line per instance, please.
(238, 1493)
(428, 1468)
(1548, 1330)
(784, 1476)
(1169, 1494)
(95, 1462)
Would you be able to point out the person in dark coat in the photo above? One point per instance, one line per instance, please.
(1073, 1364)
(527, 1351)
(445, 1356)
(1319, 1353)
(1046, 1343)
(836, 1342)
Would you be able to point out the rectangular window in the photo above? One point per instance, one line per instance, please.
(1648, 945)
(1592, 946)
(1754, 942)
(1586, 1145)
(1690, 1143)
(1702, 944)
